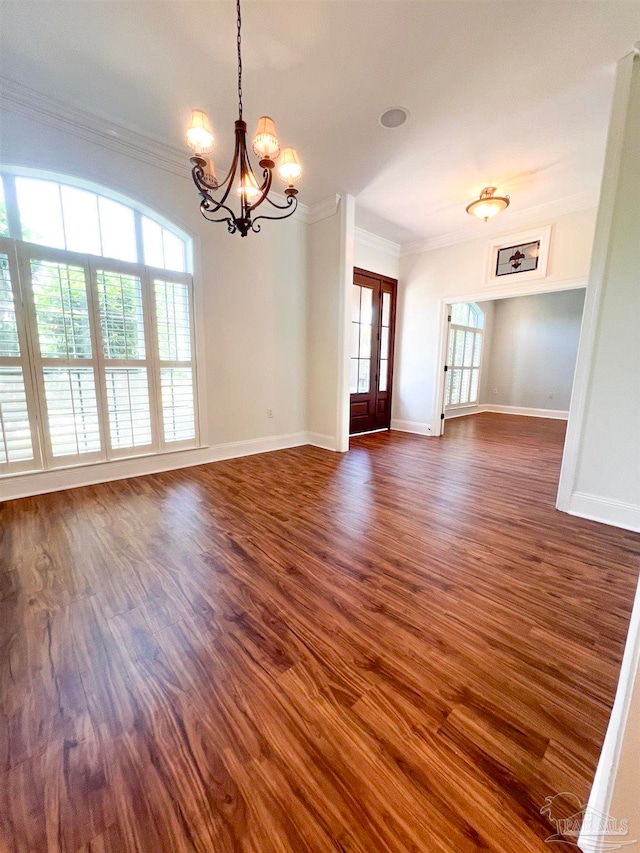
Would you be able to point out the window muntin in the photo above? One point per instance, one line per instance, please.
(467, 314)
(174, 329)
(178, 412)
(464, 355)
(62, 215)
(73, 427)
(361, 333)
(61, 309)
(385, 331)
(129, 407)
(121, 315)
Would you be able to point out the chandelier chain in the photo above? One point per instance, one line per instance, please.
(253, 191)
(239, 60)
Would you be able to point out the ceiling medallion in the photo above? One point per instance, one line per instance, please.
(241, 176)
(488, 205)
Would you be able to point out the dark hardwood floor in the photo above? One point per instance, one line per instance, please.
(405, 648)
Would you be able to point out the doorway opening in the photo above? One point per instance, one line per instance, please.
(373, 316)
(514, 355)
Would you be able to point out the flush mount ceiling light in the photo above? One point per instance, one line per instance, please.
(394, 117)
(252, 191)
(488, 205)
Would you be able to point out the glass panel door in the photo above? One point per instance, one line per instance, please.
(372, 327)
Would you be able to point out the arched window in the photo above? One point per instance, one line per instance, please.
(464, 355)
(97, 356)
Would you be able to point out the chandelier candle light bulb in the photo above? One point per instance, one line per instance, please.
(251, 190)
(199, 136)
(265, 142)
(248, 188)
(289, 169)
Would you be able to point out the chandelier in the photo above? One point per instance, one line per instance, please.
(241, 179)
(489, 204)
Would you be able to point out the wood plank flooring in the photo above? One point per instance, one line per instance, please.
(405, 648)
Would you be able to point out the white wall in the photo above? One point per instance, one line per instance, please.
(609, 412)
(532, 350)
(250, 292)
(601, 466)
(323, 311)
(457, 272)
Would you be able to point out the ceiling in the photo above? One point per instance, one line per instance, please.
(509, 93)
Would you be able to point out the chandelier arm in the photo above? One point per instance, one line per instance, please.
(228, 177)
(226, 219)
(202, 184)
(293, 205)
(285, 206)
(228, 183)
(241, 166)
(205, 207)
(208, 200)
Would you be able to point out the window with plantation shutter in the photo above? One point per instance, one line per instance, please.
(464, 355)
(96, 353)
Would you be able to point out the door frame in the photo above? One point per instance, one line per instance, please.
(393, 283)
(495, 293)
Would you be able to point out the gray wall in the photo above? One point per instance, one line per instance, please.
(530, 350)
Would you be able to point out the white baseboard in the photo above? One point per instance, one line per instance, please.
(41, 482)
(411, 426)
(605, 510)
(461, 413)
(319, 439)
(555, 414)
(617, 740)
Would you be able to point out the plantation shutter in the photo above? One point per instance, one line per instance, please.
(18, 452)
(125, 372)
(173, 311)
(60, 306)
(96, 359)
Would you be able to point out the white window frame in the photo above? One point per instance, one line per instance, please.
(20, 255)
(477, 330)
(8, 175)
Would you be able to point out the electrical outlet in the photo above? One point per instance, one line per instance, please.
(551, 395)
(495, 390)
(269, 413)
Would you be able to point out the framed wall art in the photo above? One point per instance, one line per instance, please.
(518, 257)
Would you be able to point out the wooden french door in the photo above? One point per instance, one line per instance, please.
(373, 315)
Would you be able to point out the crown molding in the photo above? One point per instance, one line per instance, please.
(373, 241)
(323, 209)
(528, 217)
(17, 98)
